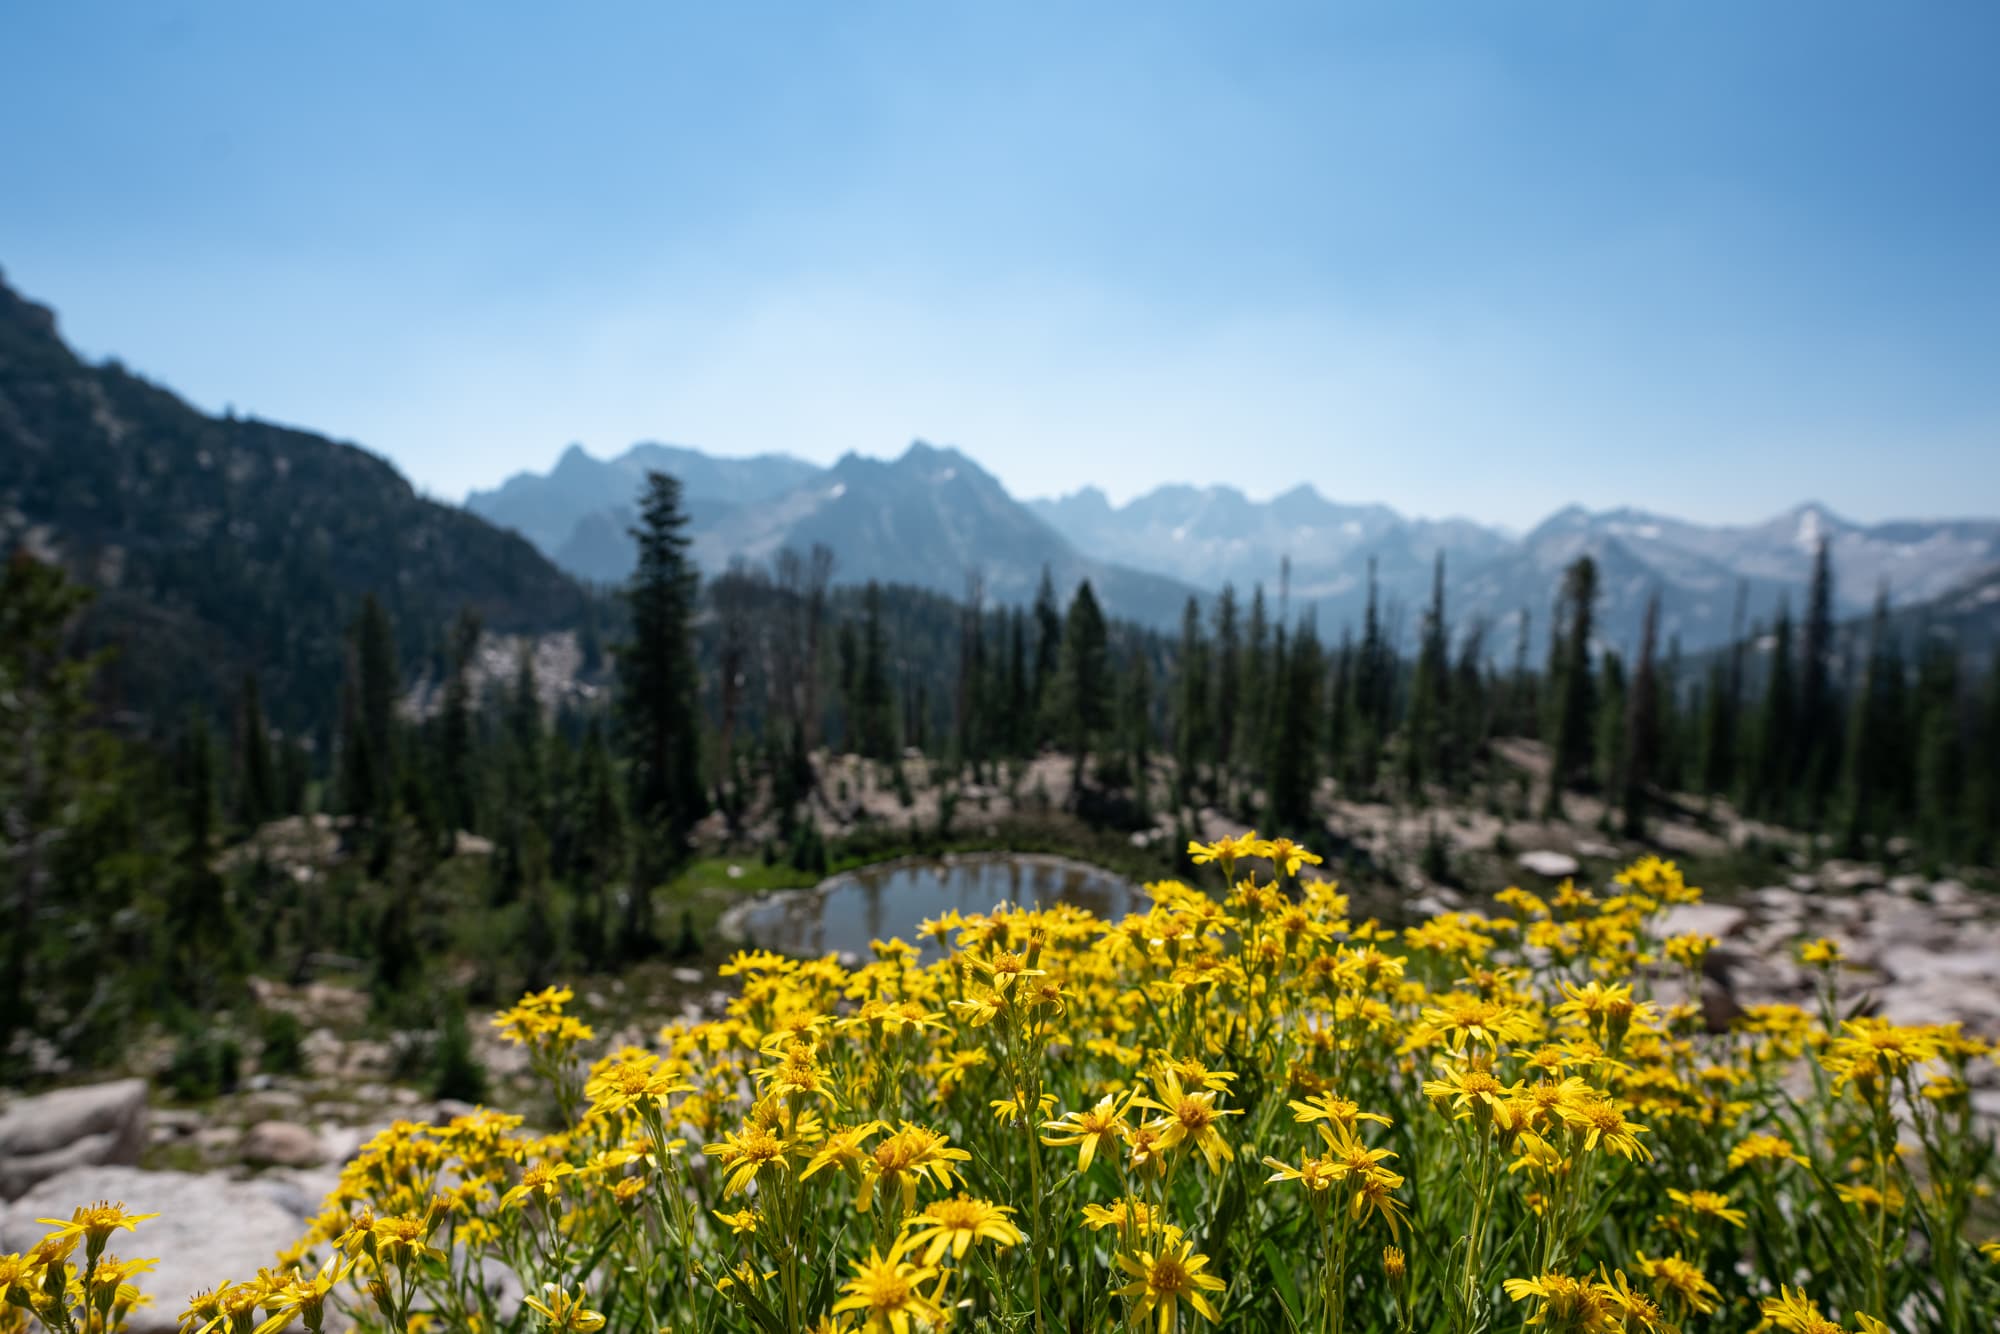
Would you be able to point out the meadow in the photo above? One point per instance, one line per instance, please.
(1238, 1108)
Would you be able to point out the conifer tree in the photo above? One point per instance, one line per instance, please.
(1421, 757)
(379, 682)
(1521, 711)
(1370, 693)
(1769, 792)
(525, 732)
(1252, 730)
(44, 773)
(1608, 742)
(601, 850)
(201, 938)
(656, 698)
(1470, 708)
(875, 701)
(1572, 690)
(1867, 724)
(1815, 753)
(1940, 766)
(1982, 788)
(459, 784)
(1340, 709)
(368, 716)
(1018, 710)
(1086, 692)
(1191, 712)
(971, 737)
(1642, 726)
(819, 577)
(1227, 670)
(257, 798)
(1296, 731)
(1048, 652)
(731, 595)
(1136, 708)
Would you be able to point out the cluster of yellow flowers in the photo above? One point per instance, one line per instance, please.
(1239, 1107)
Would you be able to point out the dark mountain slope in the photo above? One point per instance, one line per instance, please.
(225, 545)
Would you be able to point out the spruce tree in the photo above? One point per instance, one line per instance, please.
(525, 732)
(1018, 711)
(257, 797)
(458, 779)
(1136, 706)
(1982, 787)
(1226, 712)
(44, 778)
(378, 681)
(1369, 692)
(1816, 752)
(1642, 727)
(601, 848)
(1608, 737)
(1048, 653)
(1573, 692)
(1296, 729)
(1191, 712)
(1252, 730)
(656, 699)
(1862, 778)
(875, 700)
(1422, 735)
(1340, 709)
(971, 732)
(1776, 731)
(1470, 709)
(1086, 683)
(1522, 716)
(201, 936)
(1940, 778)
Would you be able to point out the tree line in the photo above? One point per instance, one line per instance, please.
(714, 699)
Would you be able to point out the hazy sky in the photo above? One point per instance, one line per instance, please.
(1473, 258)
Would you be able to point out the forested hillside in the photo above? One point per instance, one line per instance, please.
(220, 546)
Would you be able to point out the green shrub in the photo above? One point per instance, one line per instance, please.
(455, 1068)
(279, 1043)
(205, 1065)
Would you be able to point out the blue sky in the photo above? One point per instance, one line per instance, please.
(1469, 258)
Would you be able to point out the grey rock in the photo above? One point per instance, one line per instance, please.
(298, 1192)
(210, 1229)
(1549, 863)
(1720, 920)
(215, 1139)
(280, 1144)
(55, 1132)
(1850, 876)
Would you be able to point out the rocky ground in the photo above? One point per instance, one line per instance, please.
(238, 1177)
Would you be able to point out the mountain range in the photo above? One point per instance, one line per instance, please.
(218, 545)
(930, 518)
(933, 515)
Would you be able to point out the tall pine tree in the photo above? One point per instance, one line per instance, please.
(656, 701)
(1086, 681)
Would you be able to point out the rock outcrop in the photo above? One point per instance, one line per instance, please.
(210, 1228)
(54, 1132)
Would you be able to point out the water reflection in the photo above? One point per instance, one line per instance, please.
(882, 902)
